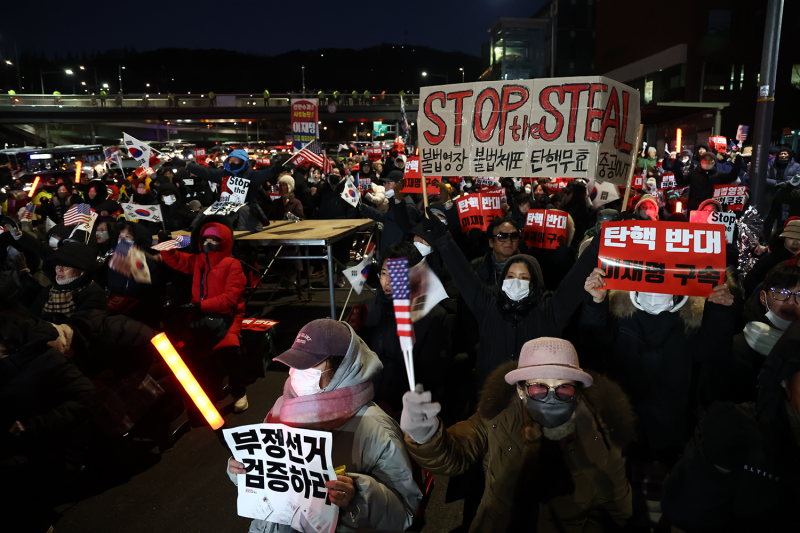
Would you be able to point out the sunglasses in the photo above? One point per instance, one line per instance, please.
(503, 237)
(565, 392)
(783, 295)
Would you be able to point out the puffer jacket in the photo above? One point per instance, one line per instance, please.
(536, 483)
(217, 278)
(369, 445)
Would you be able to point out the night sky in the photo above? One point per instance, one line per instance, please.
(253, 26)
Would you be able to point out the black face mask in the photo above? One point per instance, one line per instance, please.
(539, 197)
(236, 166)
(333, 179)
(550, 412)
(781, 162)
(210, 247)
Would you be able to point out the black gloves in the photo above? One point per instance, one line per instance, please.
(164, 236)
(194, 305)
(433, 227)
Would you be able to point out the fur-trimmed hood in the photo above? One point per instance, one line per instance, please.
(605, 398)
(691, 313)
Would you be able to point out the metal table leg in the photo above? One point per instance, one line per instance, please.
(330, 281)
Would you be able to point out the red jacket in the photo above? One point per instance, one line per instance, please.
(222, 288)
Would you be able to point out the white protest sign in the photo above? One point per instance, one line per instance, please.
(727, 219)
(571, 127)
(223, 208)
(286, 473)
(234, 189)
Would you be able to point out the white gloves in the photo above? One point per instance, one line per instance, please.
(418, 419)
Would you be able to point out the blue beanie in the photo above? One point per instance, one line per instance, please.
(241, 154)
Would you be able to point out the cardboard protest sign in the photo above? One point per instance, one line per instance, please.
(223, 208)
(305, 117)
(545, 228)
(572, 127)
(676, 258)
(412, 177)
(478, 210)
(234, 189)
(200, 156)
(667, 180)
(730, 196)
(286, 473)
(712, 217)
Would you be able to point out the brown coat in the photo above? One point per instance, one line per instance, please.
(579, 487)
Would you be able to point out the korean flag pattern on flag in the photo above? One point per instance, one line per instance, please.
(350, 193)
(357, 276)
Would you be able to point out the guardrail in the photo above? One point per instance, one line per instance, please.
(199, 100)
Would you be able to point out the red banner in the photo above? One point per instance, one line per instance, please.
(558, 185)
(478, 210)
(730, 196)
(545, 228)
(374, 153)
(663, 257)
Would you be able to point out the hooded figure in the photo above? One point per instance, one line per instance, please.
(684, 162)
(330, 388)
(517, 310)
(650, 343)
(61, 201)
(217, 278)
(237, 171)
(741, 470)
(647, 208)
(550, 438)
(96, 193)
(176, 213)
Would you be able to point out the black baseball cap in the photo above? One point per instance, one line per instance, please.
(318, 340)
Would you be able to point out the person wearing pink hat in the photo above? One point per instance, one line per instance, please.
(550, 436)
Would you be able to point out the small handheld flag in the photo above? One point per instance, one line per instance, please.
(78, 214)
(398, 275)
(181, 241)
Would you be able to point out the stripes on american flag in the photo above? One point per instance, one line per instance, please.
(180, 241)
(78, 214)
(313, 152)
(119, 260)
(398, 275)
(27, 213)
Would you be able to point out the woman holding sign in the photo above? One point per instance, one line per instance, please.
(330, 389)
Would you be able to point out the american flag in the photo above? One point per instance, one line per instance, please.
(180, 241)
(398, 275)
(27, 213)
(312, 152)
(110, 153)
(78, 214)
(120, 262)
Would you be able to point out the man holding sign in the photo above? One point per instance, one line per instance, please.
(669, 308)
(330, 391)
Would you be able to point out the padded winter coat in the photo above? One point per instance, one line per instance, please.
(217, 280)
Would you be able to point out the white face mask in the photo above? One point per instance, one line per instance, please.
(102, 235)
(424, 249)
(169, 200)
(65, 281)
(389, 193)
(527, 190)
(306, 382)
(684, 160)
(654, 303)
(516, 289)
(468, 185)
(780, 323)
(53, 242)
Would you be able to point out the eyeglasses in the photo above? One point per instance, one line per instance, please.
(564, 392)
(783, 295)
(503, 237)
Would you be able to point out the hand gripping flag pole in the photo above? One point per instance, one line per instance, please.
(398, 275)
(184, 375)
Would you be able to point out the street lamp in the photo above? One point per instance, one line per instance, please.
(462, 74)
(43, 72)
(432, 75)
(96, 85)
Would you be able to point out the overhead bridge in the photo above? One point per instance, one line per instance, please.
(37, 108)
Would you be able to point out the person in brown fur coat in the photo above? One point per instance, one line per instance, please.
(550, 437)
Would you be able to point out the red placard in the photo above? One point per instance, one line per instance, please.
(638, 182)
(667, 181)
(486, 181)
(412, 176)
(545, 228)
(558, 185)
(730, 196)
(478, 210)
(257, 324)
(664, 257)
(364, 185)
(374, 153)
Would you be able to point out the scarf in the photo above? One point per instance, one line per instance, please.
(498, 266)
(62, 301)
(326, 410)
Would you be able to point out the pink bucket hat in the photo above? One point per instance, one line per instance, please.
(548, 358)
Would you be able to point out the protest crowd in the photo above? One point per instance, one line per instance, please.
(552, 402)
